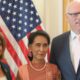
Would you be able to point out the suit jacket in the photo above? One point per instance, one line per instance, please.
(60, 55)
(6, 70)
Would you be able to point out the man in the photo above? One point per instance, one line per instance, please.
(65, 49)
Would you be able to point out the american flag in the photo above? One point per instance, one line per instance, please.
(17, 19)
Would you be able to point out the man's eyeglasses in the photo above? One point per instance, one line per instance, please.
(74, 14)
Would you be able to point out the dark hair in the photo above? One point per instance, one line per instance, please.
(33, 35)
(2, 43)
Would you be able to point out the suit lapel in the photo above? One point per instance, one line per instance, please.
(65, 59)
(78, 72)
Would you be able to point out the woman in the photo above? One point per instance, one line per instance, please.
(38, 69)
(4, 68)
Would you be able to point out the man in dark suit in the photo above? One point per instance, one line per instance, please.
(64, 47)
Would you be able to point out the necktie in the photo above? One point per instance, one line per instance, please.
(76, 55)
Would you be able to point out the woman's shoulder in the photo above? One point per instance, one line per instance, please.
(22, 72)
(22, 67)
(53, 67)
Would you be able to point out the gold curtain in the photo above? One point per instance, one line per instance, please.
(65, 23)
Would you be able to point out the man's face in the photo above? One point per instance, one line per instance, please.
(74, 21)
(73, 16)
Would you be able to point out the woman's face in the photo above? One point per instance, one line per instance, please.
(39, 47)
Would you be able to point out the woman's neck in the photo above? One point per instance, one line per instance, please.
(38, 65)
(38, 61)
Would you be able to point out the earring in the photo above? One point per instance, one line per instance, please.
(30, 56)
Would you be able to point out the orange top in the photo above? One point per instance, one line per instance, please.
(50, 72)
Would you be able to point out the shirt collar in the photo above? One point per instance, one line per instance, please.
(72, 35)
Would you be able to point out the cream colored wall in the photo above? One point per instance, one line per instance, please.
(50, 12)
